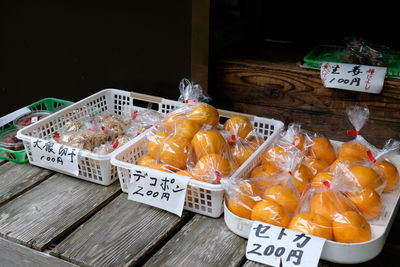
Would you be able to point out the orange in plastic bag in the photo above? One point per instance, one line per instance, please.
(312, 224)
(351, 227)
(239, 126)
(174, 151)
(208, 141)
(367, 201)
(212, 166)
(271, 212)
(282, 195)
(154, 143)
(242, 200)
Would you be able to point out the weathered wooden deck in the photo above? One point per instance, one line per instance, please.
(50, 219)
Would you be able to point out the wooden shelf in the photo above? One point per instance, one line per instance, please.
(265, 79)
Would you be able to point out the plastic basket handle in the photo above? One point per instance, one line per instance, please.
(228, 114)
(149, 98)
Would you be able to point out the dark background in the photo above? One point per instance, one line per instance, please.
(71, 49)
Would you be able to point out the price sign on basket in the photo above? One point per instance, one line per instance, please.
(166, 192)
(362, 78)
(277, 246)
(48, 154)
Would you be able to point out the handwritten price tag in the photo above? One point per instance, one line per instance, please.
(361, 78)
(164, 192)
(48, 154)
(273, 245)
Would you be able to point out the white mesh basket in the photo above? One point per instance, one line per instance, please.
(93, 167)
(201, 197)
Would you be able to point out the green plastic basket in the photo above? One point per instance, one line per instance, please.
(49, 104)
(335, 53)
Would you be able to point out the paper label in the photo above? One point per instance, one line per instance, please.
(361, 78)
(47, 153)
(277, 246)
(34, 119)
(164, 192)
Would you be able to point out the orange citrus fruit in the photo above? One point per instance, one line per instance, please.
(184, 173)
(205, 114)
(315, 165)
(346, 161)
(174, 151)
(301, 177)
(278, 155)
(239, 126)
(264, 175)
(241, 203)
(353, 150)
(329, 204)
(351, 227)
(321, 148)
(299, 141)
(283, 196)
(367, 201)
(366, 177)
(187, 128)
(312, 224)
(211, 166)
(154, 143)
(146, 161)
(241, 152)
(208, 141)
(269, 211)
(171, 119)
(320, 180)
(391, 174)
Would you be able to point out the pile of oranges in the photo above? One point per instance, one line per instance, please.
(191, 142)
(327, 193)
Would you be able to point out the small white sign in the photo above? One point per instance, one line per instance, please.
(49, 154)
(361, 78)
(277, 246)
(166, 192)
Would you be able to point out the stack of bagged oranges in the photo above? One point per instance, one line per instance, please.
(328, 193)
(191, 142)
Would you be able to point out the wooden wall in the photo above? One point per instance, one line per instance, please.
(266, 80)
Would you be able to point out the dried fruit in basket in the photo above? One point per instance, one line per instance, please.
(312, 224)
(351, 227)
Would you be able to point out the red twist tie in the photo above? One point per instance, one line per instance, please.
(327, 184)
(371, 158)
(353, 132)
(190, 101)
(134, 114)
(218, 178)
(104, 129)
(137, 133)
(233, 137)
(116, 144)
(290, 172)
(56, 135)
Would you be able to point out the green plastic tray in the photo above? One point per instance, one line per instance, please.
(335, 53)
(50, 104)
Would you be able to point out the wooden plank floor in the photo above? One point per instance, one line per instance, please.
(64, 221)
(52, 208)
(121, 234)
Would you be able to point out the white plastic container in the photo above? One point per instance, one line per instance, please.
(337, 252)
(203, 198)
(93, 167)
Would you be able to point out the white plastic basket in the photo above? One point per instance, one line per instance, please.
(93, 167)
(347, 253)
(203, 198)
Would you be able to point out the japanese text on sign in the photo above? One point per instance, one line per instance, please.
(273, 245)
(47, 153)
(165, 192)
(360, 78)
